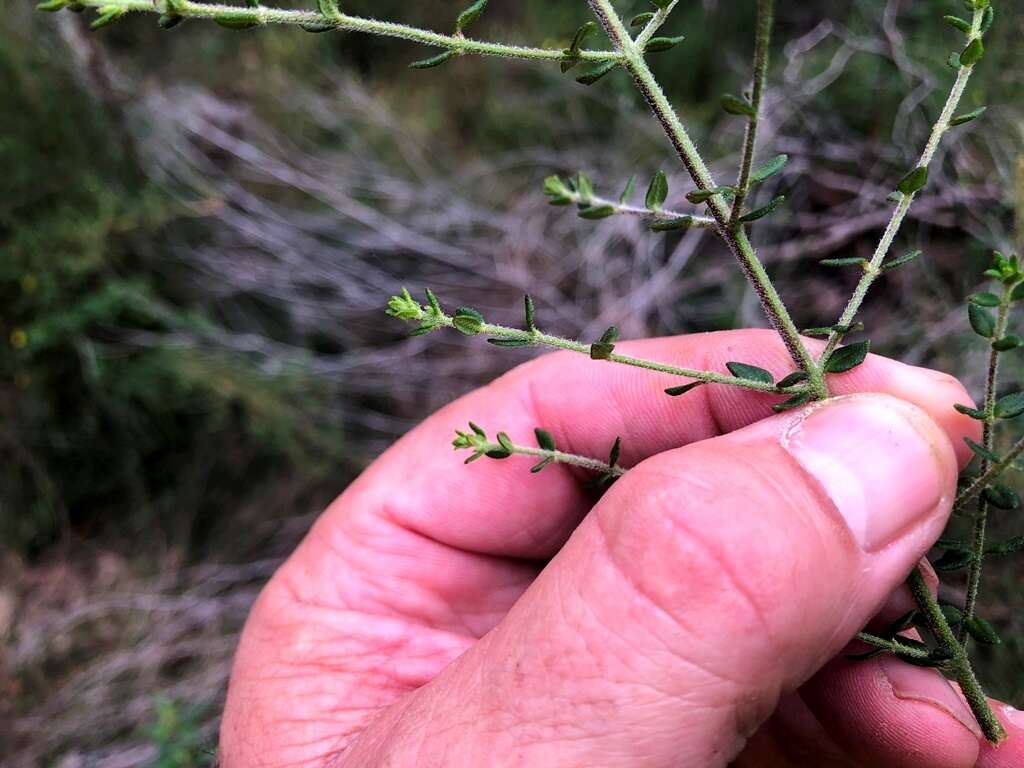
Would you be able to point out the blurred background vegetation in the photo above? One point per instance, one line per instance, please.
(198, 231)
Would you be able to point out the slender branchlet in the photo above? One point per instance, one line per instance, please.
(917, 177)
(502, 447)
(762, 43)
(995, 469)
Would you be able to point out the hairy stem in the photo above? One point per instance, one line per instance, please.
(556, 457)
(874, 267)
(346, 22)
(654, 25)
(988, 440)
(685, 220)
(959, 664)
(892, 645)
(765, 17)
(753, 269)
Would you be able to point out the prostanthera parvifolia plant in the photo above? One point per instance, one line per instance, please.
(612, 42)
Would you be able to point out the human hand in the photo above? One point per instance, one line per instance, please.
(696, 614)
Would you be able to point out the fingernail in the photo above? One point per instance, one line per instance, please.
(884, 463)
(927, 686)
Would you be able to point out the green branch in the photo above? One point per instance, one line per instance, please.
(242, 16)
(984, 480)
(659, 18)
(909, 186)
(477, 441)
(633, 60)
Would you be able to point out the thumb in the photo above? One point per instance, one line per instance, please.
(707, 582)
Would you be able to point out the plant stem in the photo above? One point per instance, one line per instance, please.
(874, 267)
(558, 457)
(346, 22)
(762, 43)
(689, 221)
(988, 440)
(959, 664)
(982, 481)
(891, 645)
(633, 60)
(536, 338)
(654, 25)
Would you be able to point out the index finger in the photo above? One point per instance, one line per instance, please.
(496, 508)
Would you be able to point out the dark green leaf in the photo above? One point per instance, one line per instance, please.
(682, 389)
(957, 23)
(903, 623)
(323, 26)
(1001, 496)
(1017, 293)
(531, 324)
(794, 402)
(541, 464)
(750, 373)
(974, 413)
(584, 187)
(613, 455)
(603, 348)
(238, 22)
(972, 54)
(544, 439)
(769, 169)
(702, 195)
(641, 19)
(657, 192)
(984, 299)
(987, 18)
(107, 15)
(505, 442)
(966, 117)
(913, 181)
(1010, 406)
(953, 62)
(668, 225)
(468, 321)
(951, 613)
(794, 378)
(661, 5)
(591, 76)
(580, 35)
(595, 212)
(735, 105)
(981, 451)
(764, 210)
(1008, 547)
(953, 560)
(846, 261)
(830, 329)
(169, 20)
(497, 453)
(848, 357)
(628, 191)
(470, 15)
(433, 61)
(477, 429)
(982, 630)
(659, 44)
(981, 321)
(904, 259)
(510, 343)
(1008, 342)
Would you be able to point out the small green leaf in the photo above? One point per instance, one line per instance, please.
(603, 348)
(108, 14)
(682, 389)
(433, 61)
(591, 76)
(510, 343)
(957, 23)
(477, 429)
(769, 169)
(981, 321)
(169, 20)
(966, 117)
(628, 191)
(735, 105)
(238, 22)
(984, 299)
(902, 624)
(505, 442)
(987, 18)
(1008, 547)
(1008, 342)
(435, 305)
(1010, 406)
(51, 6)
(470, 15)
(595, 212)
(613, 455)
(764, 210)
(1001, 496)
(668, 225)
(657, 192)
(953, 560)
(641, 19)
(794, 378)
(584, 187)
(982, 630)
(1017, 293)
(544, 439)
(794, 402)
(830, 329)
(468, 321)
(899, 262)
(556, 191)
(531, 324)
(953, 62)
(914, 180)
(329, 9)
(322, 26)
(497, 453)
(659, 44)
(981, 451)
(541, 464)
(974, 413)
(703, 195)
(972, 54)
(661, 5)
(847, 358)
(581, 34)
(750, 373)
(846, 261)
(951, 613)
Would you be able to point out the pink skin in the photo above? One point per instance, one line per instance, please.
(439, 615)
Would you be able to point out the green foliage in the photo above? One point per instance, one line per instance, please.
(175, 733)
